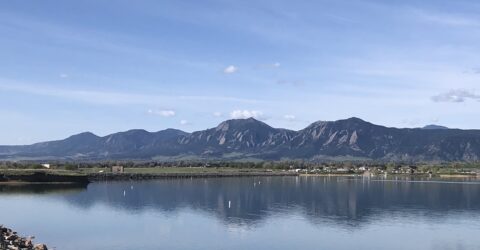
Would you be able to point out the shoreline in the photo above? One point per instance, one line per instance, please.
(21, 183)
(41, 177)
(396, 175)
(147, 176)
(28, 177)
(72, 178)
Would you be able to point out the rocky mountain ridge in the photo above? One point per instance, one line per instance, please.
(240, 139)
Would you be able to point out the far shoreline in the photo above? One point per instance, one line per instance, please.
(52, 177)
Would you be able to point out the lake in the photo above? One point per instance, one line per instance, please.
(249, 213)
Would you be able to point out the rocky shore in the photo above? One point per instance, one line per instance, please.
(9, 240)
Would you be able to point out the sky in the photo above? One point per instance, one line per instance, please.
(107, 66)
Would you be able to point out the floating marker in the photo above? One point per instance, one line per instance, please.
(229, 204)
(124, 192)
(131, 187)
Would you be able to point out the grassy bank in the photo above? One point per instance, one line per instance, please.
(61, 172)
(103, 171)
(41, 176)
(193, 170)
(95, 174)
(174, 170)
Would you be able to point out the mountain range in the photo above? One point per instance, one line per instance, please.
(250, 139)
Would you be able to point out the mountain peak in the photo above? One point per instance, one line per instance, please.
(171, 132)
(433, 126)
(84, 135)
(242, 124)
(136, 131)
(349, 122)
(244, 120)
(353, 120)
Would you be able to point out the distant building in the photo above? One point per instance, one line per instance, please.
(46, 165)
(342, 170)
(363, 168)
(117, 169)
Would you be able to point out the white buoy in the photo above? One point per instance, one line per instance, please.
(229, 204)
(131, 187)
(124, 192)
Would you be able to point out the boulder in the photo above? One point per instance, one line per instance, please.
(40, 247)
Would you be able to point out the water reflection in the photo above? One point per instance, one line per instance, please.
(39, 189)
(249, 201)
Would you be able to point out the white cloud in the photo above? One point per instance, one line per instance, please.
(63, 75)
(244, 114)
(269, 65)
(184, 122)
(289, 117)
(164, 113)
(217, 114)
(456, 95)
(230, 69)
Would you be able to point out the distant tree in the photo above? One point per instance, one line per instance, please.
(71, 167)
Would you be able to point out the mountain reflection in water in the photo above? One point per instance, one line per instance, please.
(54, 188)
(247, 201)
(339, 213)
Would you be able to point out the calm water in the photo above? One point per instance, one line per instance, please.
(249, 213)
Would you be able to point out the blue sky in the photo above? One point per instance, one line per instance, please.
(109, 66)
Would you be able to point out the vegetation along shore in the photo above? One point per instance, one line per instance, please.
(73, 172)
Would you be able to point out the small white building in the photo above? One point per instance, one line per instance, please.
(45, 165)
(117, 169)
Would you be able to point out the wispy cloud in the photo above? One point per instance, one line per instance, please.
(110, 98)
(290, 82)
(164, 113)
(63, 75)
(456, 95)
(94, 40)
(447, 19)
(230, 69)
(217, 114)
(274, 65)
(244, 114)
